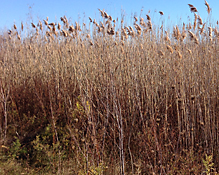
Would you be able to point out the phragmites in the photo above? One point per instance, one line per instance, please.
(160, 53)
(71, 28)
(101, 12)
(176, 33)
(49, 27)
(202, 29)
(138, 28)
(148, 17)
(192, 8)
(59, 26)
(63, 20)
(190, 52)
(183, 35)
(166, 38)
(200, 20)
(9, 32)
(179, 55)
(208, 7)
(52, 24)
(161, 13)
(189, 26)
(131, 31)
(77, 26)
(40, 25)
(142, 23)
(124, 34)
(195, 21)
(90, 19)
(91, 43)
(22, 26)
(193, 37)
(149, 25)
(18, 37)
(45, 22)
(111, 31)
(65, 34)
(33, 25)
(169, 48)
(136, 19)
(110, 18)
(210, 33)
(48, 33)
(54, 29)
(107, 27)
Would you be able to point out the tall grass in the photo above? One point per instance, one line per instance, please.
(109, 98)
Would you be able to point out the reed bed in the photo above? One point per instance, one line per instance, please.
(108, 98)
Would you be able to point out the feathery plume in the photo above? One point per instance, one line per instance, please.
(149, 25)
(179, 54)
(195, 21)
(40, 25)
(71, 29)
(33, 25)
(193, 37)
(106, 15)
(22, 26)
(9, 32)
(45, 22)
(50, 28)
(170, 48)
(18, 37)
(136, 19)
(63, 20)
(52, 24)
(65, 34)
(160, 53)
(161, 12)
(59, 26)
(90, 19)
(110, 18)
(200, 20)
(192, 8)
(148, 17)
(208, 7)
(91, 43)
(102, 13)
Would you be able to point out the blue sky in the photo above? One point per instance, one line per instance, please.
(15, 11)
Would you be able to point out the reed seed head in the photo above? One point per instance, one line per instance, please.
(161, 13)
(208, 7)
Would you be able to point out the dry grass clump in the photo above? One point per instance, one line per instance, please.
(111, 98)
